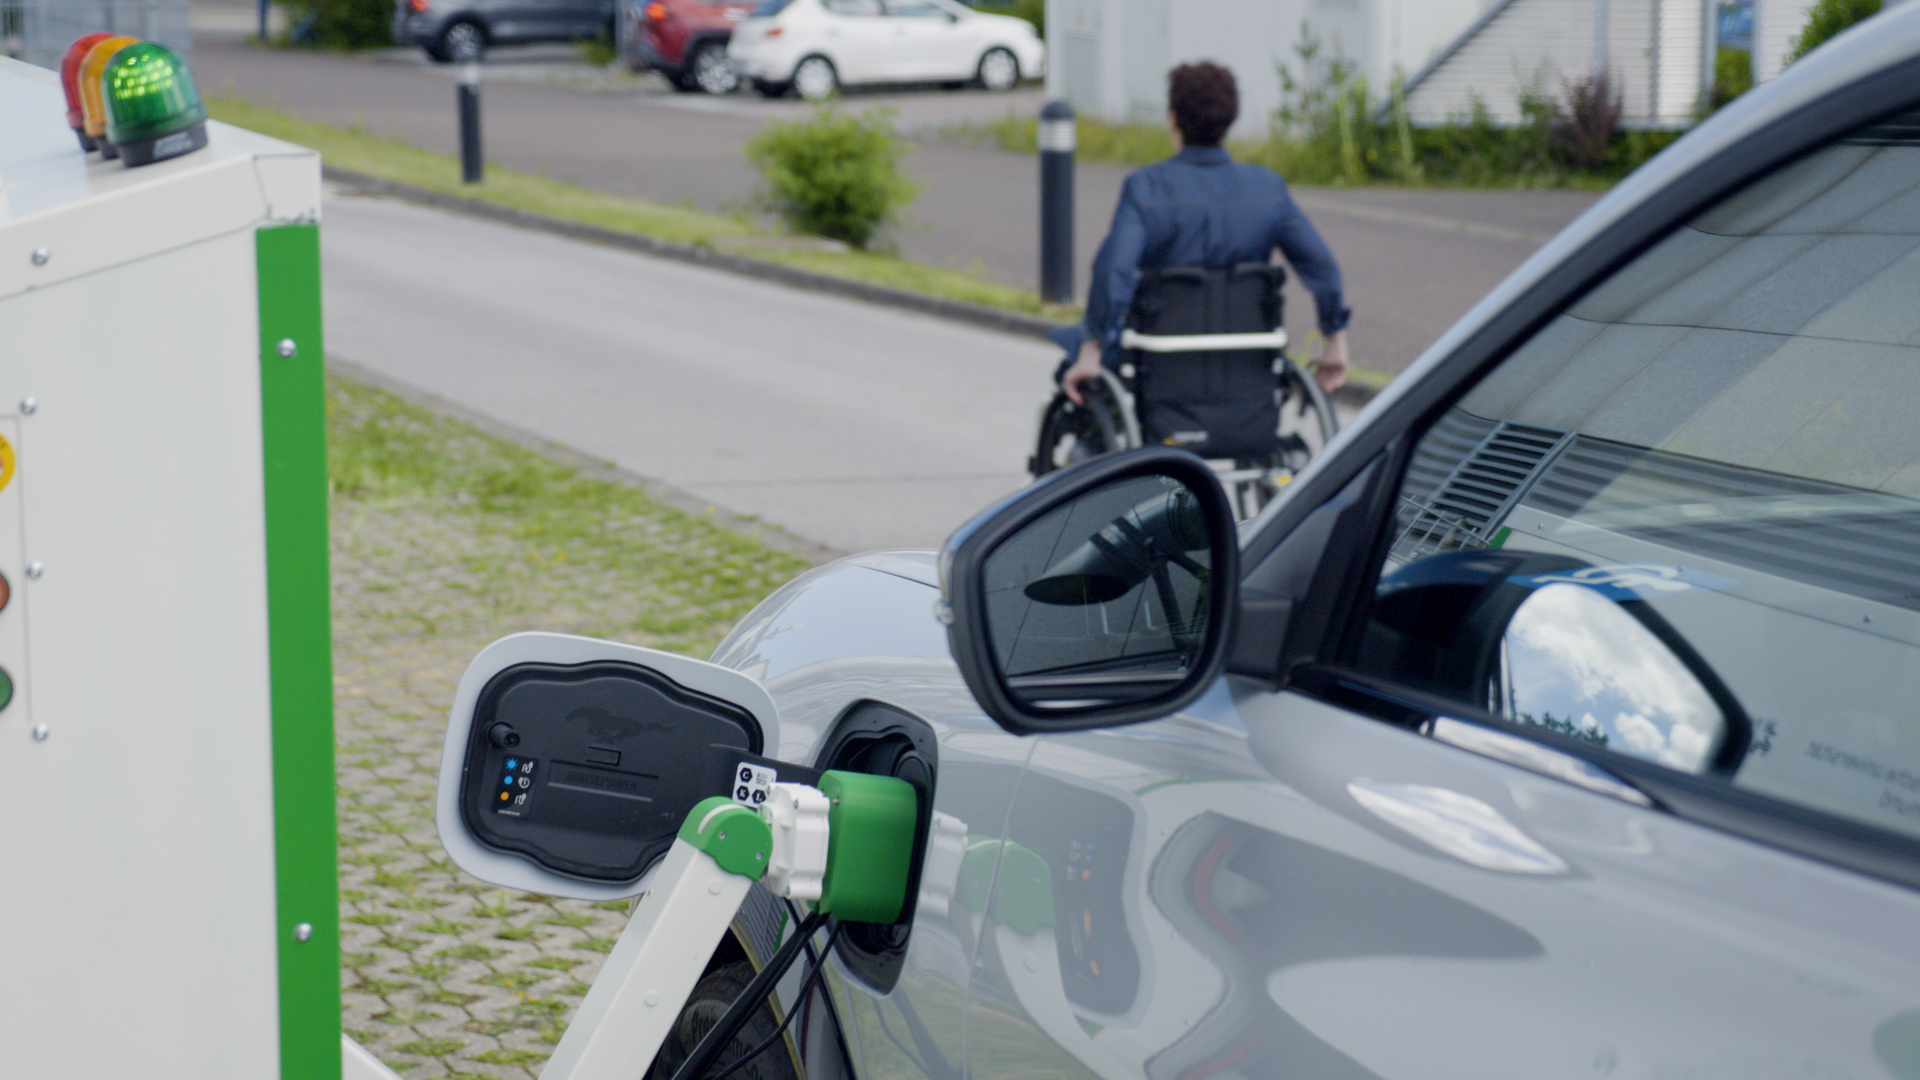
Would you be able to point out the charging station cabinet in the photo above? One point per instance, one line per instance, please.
(168, 888)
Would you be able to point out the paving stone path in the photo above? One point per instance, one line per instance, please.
(445, 975)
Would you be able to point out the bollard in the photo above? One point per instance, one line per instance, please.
(1056, 203)
(470, 122)
(263, 21)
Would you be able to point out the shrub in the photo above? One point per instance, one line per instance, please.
(1825, 19)
(1034, 11)
(1732, 76)
(834, 175)
(1583, 133)
(340, 24)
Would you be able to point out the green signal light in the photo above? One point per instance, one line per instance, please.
(154, 111)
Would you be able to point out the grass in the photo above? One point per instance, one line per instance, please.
(685, 579)
(357, 150)
(443, 539)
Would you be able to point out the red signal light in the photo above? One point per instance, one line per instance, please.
(70, 82)
(657, 11)
(416, 5)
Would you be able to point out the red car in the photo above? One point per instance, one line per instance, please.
(685, 40)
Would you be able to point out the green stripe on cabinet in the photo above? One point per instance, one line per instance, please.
(294, 442)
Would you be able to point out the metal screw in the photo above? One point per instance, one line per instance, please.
(40, 256)
(287, 348)
(302, 931)
(653, 997)
(28, 405)
(40, 733)
(35, 569)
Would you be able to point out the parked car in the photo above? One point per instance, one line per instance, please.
(685, 40)
(455, 30)
(1561, 719)
(814, 47)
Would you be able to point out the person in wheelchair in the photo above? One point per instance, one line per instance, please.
(1201, 208)
(1198, 231)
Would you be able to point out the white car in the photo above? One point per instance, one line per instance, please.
(816, 46)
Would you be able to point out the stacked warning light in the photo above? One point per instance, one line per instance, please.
(132, 100)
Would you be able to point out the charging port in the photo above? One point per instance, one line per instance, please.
(884, 741)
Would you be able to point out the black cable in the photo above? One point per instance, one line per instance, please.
(708, 1050)
(806, 987)
(826, 996)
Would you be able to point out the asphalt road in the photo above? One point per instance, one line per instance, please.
(855, 426)
(1414, 261)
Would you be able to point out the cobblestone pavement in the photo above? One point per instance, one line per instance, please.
(444, 975)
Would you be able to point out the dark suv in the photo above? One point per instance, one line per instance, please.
(685, 40)
(452, 30)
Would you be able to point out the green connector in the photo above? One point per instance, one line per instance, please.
(1023, 899)
(732, 835)
(869, 845)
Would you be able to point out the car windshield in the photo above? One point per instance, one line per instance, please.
(769, 8)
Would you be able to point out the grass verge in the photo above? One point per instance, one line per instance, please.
(389, 159)
(443, 539)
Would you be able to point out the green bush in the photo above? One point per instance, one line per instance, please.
(1825, 19)
(835, 175)
(340, 24)
(1034, 11)
(1732, 76)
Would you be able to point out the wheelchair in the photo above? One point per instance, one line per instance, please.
(1205, 367)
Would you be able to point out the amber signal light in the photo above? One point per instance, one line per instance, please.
(657, 11)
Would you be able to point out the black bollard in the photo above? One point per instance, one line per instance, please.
(470, 122)
(1056, 202)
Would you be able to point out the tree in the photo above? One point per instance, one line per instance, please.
(1826, 19)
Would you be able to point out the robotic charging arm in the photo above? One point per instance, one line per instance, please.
(843, 848)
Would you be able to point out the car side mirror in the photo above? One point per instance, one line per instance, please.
(570, 763)
(1548, 641)
(1102, 595)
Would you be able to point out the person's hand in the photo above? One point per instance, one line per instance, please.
(1085, 369)
(1330, 367)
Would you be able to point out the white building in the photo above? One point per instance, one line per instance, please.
(1659, 54)
(1110, 57)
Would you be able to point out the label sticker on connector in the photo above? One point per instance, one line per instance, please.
(752, 784)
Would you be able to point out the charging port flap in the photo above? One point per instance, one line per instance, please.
(570, 763)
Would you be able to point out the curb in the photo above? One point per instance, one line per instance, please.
(1010, 322)
(773, 536)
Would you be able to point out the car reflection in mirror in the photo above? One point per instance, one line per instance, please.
(1109, 590)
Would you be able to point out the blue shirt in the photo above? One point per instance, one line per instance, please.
(1200, 208)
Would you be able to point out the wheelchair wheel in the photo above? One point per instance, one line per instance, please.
(1070, 434)
(1307, 423)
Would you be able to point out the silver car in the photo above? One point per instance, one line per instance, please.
(1562, 719)
(458, 30)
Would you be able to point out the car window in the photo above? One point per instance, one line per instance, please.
(1682, 521)
(770, 8)
(916, 9)
(852, 7)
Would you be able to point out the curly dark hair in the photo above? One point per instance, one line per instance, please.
(1205, 102)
